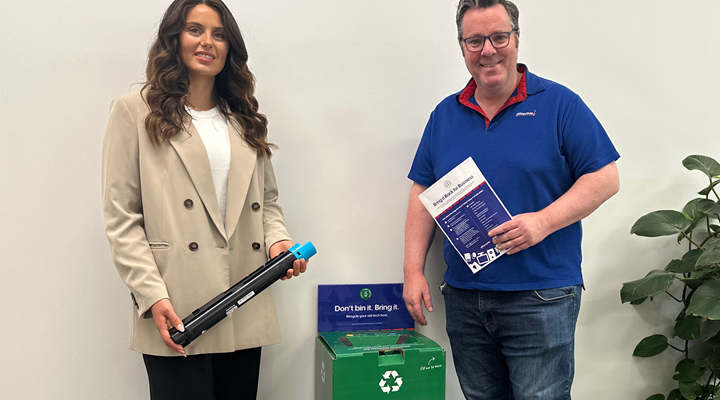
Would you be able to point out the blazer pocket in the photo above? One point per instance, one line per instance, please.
(160, 253)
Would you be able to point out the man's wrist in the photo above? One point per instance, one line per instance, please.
(414, 272)
(547, 224)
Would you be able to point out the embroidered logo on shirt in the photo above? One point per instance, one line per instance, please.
(525, 114)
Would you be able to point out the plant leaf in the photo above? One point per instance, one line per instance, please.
(708, 206)
(687, 264)
(708, 165)
(656, 397)
(705, 302)
(708, 257)
(715, 228)
(638, 301)
(714, 341)
(676, 266)
(654, 283)
(705, 273)
(714, 359)
(687, 371)
(660, 223)
(708, 329)
(688, 327)
(691, 210)
(708, 189)
(651, 346)
(690, 390)
(703, 362)
(689, 261)
(674, 395)
(694, 283)
(692, 213)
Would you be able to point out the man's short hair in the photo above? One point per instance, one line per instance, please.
(466, 5)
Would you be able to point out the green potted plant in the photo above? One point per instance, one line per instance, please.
(693, 281)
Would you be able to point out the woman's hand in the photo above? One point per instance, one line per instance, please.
(165, 318)
(299, 266)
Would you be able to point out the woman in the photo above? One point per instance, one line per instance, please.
(189, 202)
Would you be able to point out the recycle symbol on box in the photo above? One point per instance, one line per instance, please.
(385, 384)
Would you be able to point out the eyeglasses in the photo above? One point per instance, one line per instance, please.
(498, 40)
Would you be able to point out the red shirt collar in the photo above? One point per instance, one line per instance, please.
(469, 91)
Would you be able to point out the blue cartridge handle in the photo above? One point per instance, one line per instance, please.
(303, 252)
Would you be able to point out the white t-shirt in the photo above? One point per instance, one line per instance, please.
(213, 129)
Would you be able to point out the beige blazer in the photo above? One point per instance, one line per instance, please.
(166, 234)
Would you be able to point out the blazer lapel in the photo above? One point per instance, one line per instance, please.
(192, 152)
(242, 168)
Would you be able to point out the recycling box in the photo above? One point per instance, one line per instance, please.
(366, 365)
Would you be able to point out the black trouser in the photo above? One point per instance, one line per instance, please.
(222, 376)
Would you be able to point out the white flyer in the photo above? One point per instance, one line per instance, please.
(466, 208)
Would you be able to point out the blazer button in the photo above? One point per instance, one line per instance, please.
(256, 246)
(255, 206)
(193, 246)
(188, 204)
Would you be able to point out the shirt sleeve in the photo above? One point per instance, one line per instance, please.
(422, 171)
(584, 142)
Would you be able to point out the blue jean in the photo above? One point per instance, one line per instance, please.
(513, 345)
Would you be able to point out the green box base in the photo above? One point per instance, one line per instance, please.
(366, 365)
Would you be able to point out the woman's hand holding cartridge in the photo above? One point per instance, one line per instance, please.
(299, 266)
(165, 318)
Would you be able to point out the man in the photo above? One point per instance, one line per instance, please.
(512, 324)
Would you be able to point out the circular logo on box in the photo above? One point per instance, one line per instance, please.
(365, 294)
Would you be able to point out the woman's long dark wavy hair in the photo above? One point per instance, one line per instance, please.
(168, 82)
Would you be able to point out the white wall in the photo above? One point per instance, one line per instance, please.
(347, 87)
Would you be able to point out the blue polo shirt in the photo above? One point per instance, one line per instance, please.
(535, 148)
